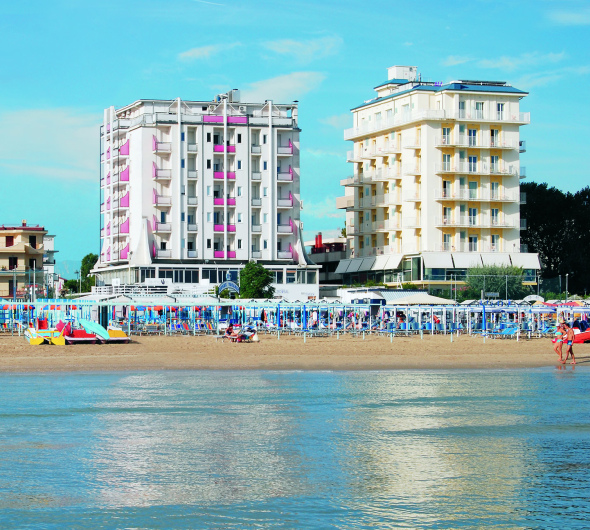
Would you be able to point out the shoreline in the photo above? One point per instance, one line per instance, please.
(205, 352)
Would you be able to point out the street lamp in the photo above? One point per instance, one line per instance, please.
(566, 278)
(79, 280)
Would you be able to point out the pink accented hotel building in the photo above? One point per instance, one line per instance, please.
(191, 190)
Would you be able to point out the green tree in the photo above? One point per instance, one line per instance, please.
(497, 279)
(87, 264)
(343, 232)
(70, 286)
(255, 281)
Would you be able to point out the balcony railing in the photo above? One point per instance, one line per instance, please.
(471, 142)
(284, 229)
(191, 174)
(163, 147)
(256, 149)
(192, 227)
(256, 202)
(523, 224)
(285, 150)
(412, 169)
(473, 195)
(411, 222)
(192, 201)
(192, 254)
(163, 227)
(479, 168)
(218, 254)
(256, 175)
(284, 254)
(256, 228)
(191, 148)
(163, 174)
(163, 253)
(285, 203)
(162, 200)
(285, 177)
(256, 254)
(218, 228)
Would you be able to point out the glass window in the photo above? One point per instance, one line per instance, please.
(239, 191)
(239, 244)
(264, 138)
(264, 165)
(290, 276)
(239, 164)
(265, 244)
(208, 217)
(265, 192)
(182, 137)
(208, 163)
(239, 138)
(279, 277)
(208, 136)
(239, 217)
(208, 243)
(311, 277)
(209, 191)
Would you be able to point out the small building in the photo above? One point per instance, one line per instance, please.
(327, 253)
(21, 260)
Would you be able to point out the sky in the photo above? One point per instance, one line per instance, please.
(64, 61)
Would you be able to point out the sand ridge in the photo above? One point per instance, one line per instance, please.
(287, 353)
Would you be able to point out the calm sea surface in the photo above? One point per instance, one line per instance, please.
(388, 449)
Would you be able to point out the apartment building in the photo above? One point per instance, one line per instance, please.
(435, 187)
(21, 260)
(193, 190)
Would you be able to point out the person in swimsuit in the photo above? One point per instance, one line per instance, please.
(569, 342)
(558, 341)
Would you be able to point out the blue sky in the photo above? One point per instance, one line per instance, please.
(64, 61)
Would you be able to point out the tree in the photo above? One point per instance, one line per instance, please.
(255, 281)
(70, 286)
(498, 279)
(87, 264)
(343, 232)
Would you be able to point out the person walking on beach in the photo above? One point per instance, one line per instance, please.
(569, 342)
(558, 341)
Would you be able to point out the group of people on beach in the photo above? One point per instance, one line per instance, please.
(564, 334)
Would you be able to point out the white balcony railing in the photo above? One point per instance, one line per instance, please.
(284, 254)
(163, 253)
(256, 228)
(192, 254)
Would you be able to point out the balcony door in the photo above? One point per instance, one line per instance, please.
(472, 243)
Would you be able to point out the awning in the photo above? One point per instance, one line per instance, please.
(367, 264)
(355, 265)
(342, 266)
(380, 263)
(393, 261)
(525, 260)
(496, 258)
(437, 260)
(466, 260)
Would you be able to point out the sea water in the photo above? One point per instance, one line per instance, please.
(263, 449)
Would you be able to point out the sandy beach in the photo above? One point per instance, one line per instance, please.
(286, 353)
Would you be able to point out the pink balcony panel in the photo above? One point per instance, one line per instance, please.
(125, 252)
(231, 253)
(154, 170)
(237, 119)
(124, 202)
(109, 153)
(124, 229)
(231, 201)
(154, 223)
(108, 178)
(218, 148)
(109, 229)
(109, 254)
(218, 201)
(154, 249)
(231, 175)
(154, 196)
(109, 203)
(231, 148)
(124, 149)
(218, 228)
(124, 175)
(218, 254)
(108, 127)
(212, 119)
(218, 174)
(231, 228)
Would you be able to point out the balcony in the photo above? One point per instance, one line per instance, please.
(522, 197)
(284, 254)
(416, 143)
(256, 254)
(191, 174)
(522, 173)
(473, 195)
(284, 229)
(231, 228)
(257, 202)
(479, 168)
(285, 177)
(473, 142)
(218, 254)
(161, 174)
(191, 227)
(256, 228)
(231, 254)
(286, 150)
(412, 196)
(388, 225)
(191, 148)
(345, 202)
(522, 146)
(162, 200)
(162, 147)
(285, 203)
(192, 201)
(231, 201)
(163, 227)
(352, 157)
(218, 201)
(163, 253)
(231, 175)
(256, 175)
(192, 254)
(218, 228)
(255, 149)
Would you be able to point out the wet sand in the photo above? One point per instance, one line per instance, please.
(287, 353)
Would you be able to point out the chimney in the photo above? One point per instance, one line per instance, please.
(320, 244)
(24, 222)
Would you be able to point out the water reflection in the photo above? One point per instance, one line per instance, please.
(386, 449)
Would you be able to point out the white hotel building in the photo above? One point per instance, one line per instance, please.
(435, 187)
(191, 190)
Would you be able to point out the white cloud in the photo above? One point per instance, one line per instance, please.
(522, 61)
(408, 44)
(454, 60)
(545, 77)
(318, 153)
(322, 210)
(60, 144)
(205, 52)
(284, 88)
(340, 121)
(570, 18)
(306, 51)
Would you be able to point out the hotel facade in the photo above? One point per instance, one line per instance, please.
(435, 188)
(193, 190)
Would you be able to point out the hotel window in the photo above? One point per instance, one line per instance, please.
(208, 217)
(495, 216)
(472, 216)
(182, 137)
(182, 216)
(239, 138)
(495, 243)
(182, 163)
(472, 243)
(446, 135)
(265, 244)
(446, 162)
(472, 164)
(265, 218)
(472, 137)
(495, 191)
(239, 217)
(446, 242)
(239, 191)
(494, 163)
(495, 137)
(208, 163)
(239, 244)
(264, 165)
(208, 137)
(479, 110)
(209, 191)
(500, 111)
(9, 241)
(239, 164)
(264, 138)
(265, 192)
(12, 263)
(472, 190)
(208, 243)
